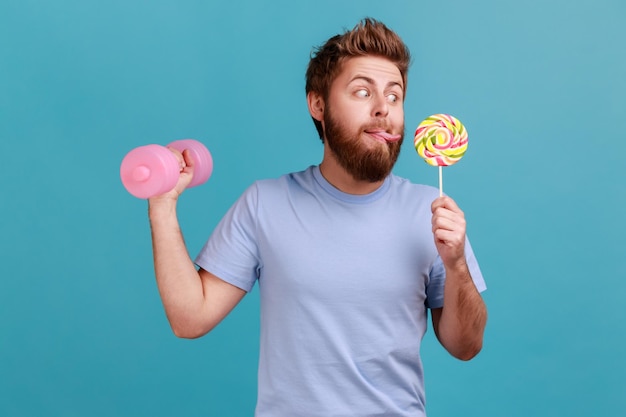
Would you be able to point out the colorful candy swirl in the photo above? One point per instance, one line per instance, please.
(441, 140)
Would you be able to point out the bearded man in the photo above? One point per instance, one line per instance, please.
(349, 258)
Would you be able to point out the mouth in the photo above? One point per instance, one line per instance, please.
(383, 136)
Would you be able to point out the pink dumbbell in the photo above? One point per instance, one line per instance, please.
(152, 170)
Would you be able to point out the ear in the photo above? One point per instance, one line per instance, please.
(316, 105)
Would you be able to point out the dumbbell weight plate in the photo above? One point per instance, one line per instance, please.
(150, 170)
(203, 162)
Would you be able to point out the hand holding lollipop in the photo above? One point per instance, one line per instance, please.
(441, 140)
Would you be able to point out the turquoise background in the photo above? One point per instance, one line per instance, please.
(540, 86)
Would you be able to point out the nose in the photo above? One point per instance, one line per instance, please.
(380, 106)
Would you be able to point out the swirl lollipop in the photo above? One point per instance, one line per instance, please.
(441, 140)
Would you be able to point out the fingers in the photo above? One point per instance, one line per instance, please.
(450, 233)
(447, 214)
(185, 160)
(448, 221)
(188, 162)
(445, 202)
(186, 165)
(451, 238)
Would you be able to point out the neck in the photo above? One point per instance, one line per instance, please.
(342, 180)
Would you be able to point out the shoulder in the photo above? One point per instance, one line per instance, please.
(287, 182)
(403, 188)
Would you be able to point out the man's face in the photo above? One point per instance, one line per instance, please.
(364, 117)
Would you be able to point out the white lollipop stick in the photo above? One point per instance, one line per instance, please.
(440, 181)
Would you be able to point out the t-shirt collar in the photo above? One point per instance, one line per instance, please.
(350, 198)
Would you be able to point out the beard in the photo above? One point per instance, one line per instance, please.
(364, 163)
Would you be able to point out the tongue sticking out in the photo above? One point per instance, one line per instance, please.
(384, 136)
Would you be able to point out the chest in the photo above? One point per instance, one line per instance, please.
(342, 254)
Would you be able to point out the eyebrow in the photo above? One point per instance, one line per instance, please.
(371, 81)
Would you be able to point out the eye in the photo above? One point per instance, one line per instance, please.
(393, 98)
(363, 93)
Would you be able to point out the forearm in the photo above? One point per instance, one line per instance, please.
(177, 279)
(464, 315)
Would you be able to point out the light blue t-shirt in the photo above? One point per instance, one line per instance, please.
(345, 282)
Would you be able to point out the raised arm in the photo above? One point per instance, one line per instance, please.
(194, 301)
(460, 324)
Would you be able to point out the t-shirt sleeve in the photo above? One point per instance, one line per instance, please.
(437, 278)
(231, 252)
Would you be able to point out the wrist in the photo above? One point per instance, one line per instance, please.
(458, 267)
(159, 208)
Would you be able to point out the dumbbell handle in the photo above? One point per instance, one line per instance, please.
(152, 170)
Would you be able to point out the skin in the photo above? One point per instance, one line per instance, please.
(368, 92)
(367, 97)
(460, 324)
(194, 301)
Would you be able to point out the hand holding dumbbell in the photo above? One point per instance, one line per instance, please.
(151, 170)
